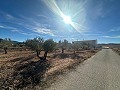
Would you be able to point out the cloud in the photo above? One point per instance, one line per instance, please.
(14, 30)
(2, 26)
(31, 24)
(42, 16)
(9, 16)
(6, 15)
(19, 31)
(112, 36)
(99, 9)
(24, 33)
(44, 31)
(91, 34)
(6, 27)
(114, 29)
(36, 26)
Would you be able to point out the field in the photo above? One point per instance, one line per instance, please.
(23, 69)
(115, 47)
(117, 50)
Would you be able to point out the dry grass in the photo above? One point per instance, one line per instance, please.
(15, 63)
(13, 55)
(117, 50)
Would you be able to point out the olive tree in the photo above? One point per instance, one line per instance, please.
(35, 44)
(49, 45)
(76, 46)
(5, 43)
(85, 46)
(63, 45)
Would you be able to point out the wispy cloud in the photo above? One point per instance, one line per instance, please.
(9, 16)
(13, 29)
(114, 29)
(2, 26)
(19, 31)
(87, 34)
(99, 10)
(112, 36)
(7, 27)
(22, 32)
(44, 31)
(42, 16)
(34, 25)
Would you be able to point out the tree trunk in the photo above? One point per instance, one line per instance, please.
(74, 51)
(45, 55)
(38, 53)
(62, 50)
(5, 51)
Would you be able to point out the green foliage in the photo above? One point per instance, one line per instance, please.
(76, 46)
(35, 44)
(6, 43)
(85, 46)
(63, 45)
(49, 45)
(38, 44)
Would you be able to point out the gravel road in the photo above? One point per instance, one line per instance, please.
(100, 72)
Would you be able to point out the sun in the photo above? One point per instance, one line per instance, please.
(66, 19)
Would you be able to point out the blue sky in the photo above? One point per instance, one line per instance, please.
(90, 19)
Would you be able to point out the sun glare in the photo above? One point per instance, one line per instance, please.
(66, 19)
(67, 16)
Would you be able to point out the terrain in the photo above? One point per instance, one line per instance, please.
(100, 72)
(22, 69)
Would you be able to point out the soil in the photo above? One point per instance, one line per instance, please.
(23, 69)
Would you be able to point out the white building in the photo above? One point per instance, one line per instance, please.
(91, 43)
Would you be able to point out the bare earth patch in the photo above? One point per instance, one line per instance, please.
(117, 50)
(22, 69)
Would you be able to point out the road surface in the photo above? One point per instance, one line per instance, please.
(100, 72)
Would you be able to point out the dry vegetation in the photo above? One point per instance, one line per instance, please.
(115, 47)
(117, 50)
(22, 69)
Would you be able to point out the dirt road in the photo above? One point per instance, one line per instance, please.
(100, 72)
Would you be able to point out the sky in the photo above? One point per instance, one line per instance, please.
(87, 20)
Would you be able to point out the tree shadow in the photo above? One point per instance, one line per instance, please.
(61, 56)
(64, 55)
(30, 73)
(22, 59)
